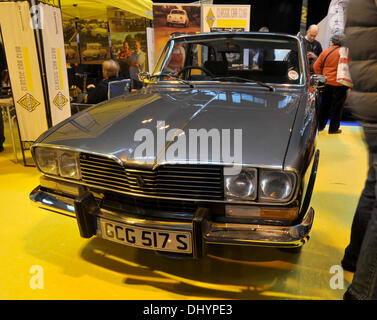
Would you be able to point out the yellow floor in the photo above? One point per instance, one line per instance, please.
(76, 268)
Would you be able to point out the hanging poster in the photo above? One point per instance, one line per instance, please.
(55, 63)
(128, 35)
(173, 18)
(94, 41)
(216, 18)
(70, 41)
(24, 68)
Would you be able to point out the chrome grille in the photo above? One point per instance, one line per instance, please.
(203, 182)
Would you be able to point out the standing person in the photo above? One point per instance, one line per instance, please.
(123, 60)
(361, 254)
(314, 47)
(334, 94)
(2, 137)
(125, 52)
(137, 65)
(177, 58)
(3, 67)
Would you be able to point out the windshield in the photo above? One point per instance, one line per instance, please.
(261, 58)
(177, 12)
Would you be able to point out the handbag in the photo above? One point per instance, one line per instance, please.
(343, 75)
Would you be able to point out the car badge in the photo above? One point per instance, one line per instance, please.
(140, 181)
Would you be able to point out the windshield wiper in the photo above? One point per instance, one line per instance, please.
(240, 79)
(172, 76)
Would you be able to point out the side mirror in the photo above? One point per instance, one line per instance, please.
(144, 76)
(318, 80)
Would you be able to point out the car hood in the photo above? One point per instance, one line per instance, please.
(117, 127)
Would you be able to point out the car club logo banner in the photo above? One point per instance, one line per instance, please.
(24, 68)
(217, 18)
(57, 78)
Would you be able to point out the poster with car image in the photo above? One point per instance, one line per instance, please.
(70, 41)
(94, 41)
(174, 18)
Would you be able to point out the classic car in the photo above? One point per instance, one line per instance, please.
(94, 51)
(70, 53)
(177, 16)
(218, 153)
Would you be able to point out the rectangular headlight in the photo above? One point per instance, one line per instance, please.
(241, 186)
(47, 160)
(58, 162)
(69, 165)
(276, 186)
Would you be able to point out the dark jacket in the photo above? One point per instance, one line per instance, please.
(100, 92)
(361, 35)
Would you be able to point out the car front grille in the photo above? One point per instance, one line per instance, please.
(202, 182)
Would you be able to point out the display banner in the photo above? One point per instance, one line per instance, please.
(55, 63)
(174, 18)
(217, 18)
(335, 21)
(150, 48)
(24, 68)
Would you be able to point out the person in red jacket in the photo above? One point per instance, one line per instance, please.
(334, 94)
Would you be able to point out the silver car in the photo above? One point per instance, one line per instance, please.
(222, 151)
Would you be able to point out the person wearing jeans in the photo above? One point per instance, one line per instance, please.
(361, 253)
(360, 256)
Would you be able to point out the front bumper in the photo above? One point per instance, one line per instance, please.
(204, 231)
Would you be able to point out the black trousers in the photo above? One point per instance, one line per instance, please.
(331, 107)
(2, 138)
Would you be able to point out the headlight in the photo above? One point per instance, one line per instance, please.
(276, 185)
(242, 186)
(47, 160)
(69, 165)
(57, 162)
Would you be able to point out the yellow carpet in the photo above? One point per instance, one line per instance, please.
(75, 268)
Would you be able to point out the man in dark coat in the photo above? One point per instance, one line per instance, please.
(361, 254)
(313, 46)
(98, 93)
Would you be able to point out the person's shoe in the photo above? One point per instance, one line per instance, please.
(337, 131)
(1, 148)
(349, 296)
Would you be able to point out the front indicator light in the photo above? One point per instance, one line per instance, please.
(265, 213)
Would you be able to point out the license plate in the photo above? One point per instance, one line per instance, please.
(155, 239)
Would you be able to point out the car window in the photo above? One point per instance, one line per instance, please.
(269, 59)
